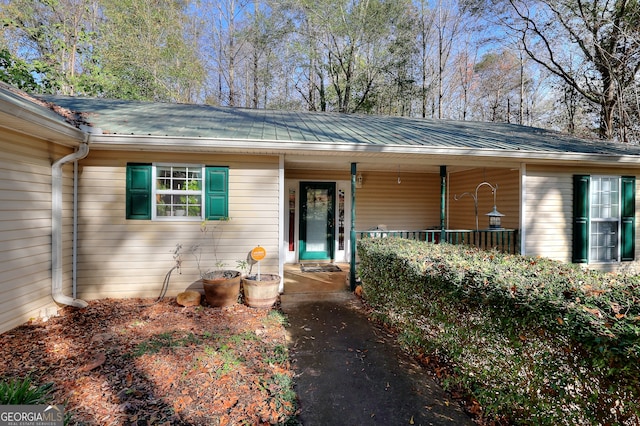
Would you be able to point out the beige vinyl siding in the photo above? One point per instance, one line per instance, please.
(25, 228)
(462, 211)
(411, 205)
(130, 258)
(549, 211)
(548, 216)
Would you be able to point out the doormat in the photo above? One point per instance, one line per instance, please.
(319, 267)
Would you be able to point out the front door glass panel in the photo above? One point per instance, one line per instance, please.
(317, 220)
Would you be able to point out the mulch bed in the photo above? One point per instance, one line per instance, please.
(137, 362)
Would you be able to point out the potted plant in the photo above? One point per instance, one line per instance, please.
(260, 290)
(221, 286)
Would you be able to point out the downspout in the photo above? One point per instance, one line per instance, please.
(56, 226)
(281, 211)
(74, 247)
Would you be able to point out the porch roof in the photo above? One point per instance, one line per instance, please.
(164, 126)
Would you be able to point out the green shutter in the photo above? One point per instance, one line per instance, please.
(581, 218)
(217, 192)
(628, 226)
(138, 203)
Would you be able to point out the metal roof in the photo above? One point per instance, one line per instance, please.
(118, 117)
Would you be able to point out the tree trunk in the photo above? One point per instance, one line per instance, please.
(606, 121)
(232, 76)
(607, 106)
(254, 102)
(322, 95)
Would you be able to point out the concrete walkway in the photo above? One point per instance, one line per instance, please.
(348, 370)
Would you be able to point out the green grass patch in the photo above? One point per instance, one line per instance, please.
(275, 318)
(277, 355)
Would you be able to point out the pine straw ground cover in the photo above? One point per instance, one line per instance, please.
(137, 362)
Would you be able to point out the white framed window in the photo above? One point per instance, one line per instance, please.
(604, 219)
(178, 191)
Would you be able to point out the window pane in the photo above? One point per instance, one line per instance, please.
(178, 191)
(605, 218)
(163, 180)
(604, 241)
(605, 198)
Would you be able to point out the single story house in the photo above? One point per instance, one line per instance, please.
(96, 194)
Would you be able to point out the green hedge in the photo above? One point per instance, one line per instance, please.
(535, 340)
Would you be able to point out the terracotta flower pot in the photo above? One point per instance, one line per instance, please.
(263, 293)
(221, 288)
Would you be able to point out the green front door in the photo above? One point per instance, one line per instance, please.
(317, 212)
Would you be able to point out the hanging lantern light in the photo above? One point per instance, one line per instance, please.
(495, 218)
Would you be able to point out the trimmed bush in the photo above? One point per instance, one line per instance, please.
(535, 340)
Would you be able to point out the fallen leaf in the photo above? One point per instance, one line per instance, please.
(96, 362)
(154, 348)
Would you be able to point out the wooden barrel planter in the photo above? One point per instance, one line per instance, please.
(221, 288)
(263, 293)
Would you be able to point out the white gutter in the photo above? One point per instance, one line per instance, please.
(275, 147)
(56, 226)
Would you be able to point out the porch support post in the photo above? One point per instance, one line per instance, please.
(352, 238)
(443, 202)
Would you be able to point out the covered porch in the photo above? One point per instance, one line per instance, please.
(397, 196)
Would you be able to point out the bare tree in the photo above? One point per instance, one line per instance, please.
(462, 82)
(225, 19)
(426, 18)
(602, 35)
(497, 77)
(448, 24)
(346, 43)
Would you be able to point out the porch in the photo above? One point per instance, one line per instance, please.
(423, 203)
(303, 284)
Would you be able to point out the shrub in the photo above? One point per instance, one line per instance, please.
(533, 339)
